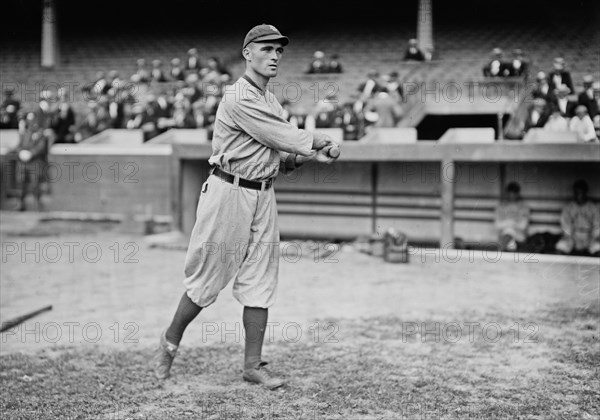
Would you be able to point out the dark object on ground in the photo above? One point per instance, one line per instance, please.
(16, 321)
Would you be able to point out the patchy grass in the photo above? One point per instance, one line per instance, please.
(380, 368)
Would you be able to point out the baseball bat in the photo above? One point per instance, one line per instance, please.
(18, 320)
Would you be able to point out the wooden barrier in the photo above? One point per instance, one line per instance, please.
(432, 191)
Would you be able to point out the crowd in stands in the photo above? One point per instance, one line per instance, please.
(579, 222)
(555, 105)
(321, 64)
(498, 66)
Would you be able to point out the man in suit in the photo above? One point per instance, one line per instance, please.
(192, 63)
(586, 98)
(542, 87)
(518, 66)
(562, 101)
(413, 52)
(559, 76)
(496, 67)
(538, 114)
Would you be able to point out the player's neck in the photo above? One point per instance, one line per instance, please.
(260, 80)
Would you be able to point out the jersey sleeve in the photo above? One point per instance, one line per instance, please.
(260, 122)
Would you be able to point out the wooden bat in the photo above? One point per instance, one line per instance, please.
(334, 152)
(16, 321)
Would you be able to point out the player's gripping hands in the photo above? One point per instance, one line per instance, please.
(324, 149)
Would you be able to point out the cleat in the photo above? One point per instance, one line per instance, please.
(261, 375)
(163, 358)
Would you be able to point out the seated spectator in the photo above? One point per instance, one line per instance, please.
(512, 219)
(556, 122)
(192, 62)
(351, 124)
(115, 110)
(176, 72)
(95, 121)
(64, 124)
(326, 112)
(369, 86)
(141, 72)
(559, 76)
(582, 124)
(587, 97)
(537, 115)
(394, 86)
(542, 87)
(31, 158)
(318, 64)
(388, 110)
(9, 110)
(562, 101)
(413, 52)
(518, 66)
(496, 67)
(157, 73)
(112, 82)
(580, 223)
(334, 64)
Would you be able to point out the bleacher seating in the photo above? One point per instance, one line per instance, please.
(460, 53)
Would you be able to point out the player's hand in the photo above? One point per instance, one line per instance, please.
(321, 140)
(323, 155)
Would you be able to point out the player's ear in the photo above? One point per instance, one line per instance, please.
(247, 54)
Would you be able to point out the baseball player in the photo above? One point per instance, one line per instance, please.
(236, 236)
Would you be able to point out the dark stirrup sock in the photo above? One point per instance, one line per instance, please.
(186, 312)
(255, 324)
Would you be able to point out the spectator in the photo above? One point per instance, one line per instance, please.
(115, 110)
(518, 66)
(556, 122)
(582, 124)
(512, 219)
(141, 72)
(542, 87)
(318, 64)
(559, 76)
(64, 124)
(537, 116)
(9, 110)
(562, 101)
(32, 159)
(394, 86)
(496, 67)
(192, 62)
(386, 107)
(587, 97)
(351, 124)
(113, 82)
(334, 64)
(580, 223)
(326, 112)
(157, 73)
(369, 86)
(176, 72)
(413, 52)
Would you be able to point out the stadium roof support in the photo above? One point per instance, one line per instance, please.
(425, 28)
(49, 35)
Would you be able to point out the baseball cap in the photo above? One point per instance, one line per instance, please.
(263, 33)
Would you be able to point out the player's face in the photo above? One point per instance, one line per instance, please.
(265, 57)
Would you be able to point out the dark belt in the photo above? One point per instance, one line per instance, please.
(243, 182)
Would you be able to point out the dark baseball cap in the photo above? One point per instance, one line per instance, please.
(264, 33)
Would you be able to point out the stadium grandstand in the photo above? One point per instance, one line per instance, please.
(111, 69)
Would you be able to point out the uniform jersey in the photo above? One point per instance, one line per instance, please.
(251, 136)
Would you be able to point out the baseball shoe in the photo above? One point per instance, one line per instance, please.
(163, 357)
(261, 375)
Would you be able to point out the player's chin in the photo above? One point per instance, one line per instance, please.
(271, 71)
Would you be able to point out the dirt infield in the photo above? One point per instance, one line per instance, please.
(449, 335)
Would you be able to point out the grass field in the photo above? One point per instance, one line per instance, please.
(355, 338)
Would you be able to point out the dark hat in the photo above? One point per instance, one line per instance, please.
(263, 33)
